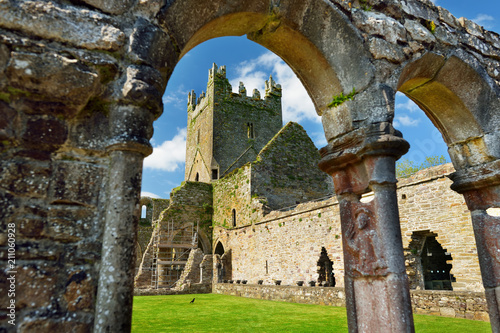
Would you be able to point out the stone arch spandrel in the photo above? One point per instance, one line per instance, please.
(459, 101)
(327, 53)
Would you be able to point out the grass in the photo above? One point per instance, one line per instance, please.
(222, 313)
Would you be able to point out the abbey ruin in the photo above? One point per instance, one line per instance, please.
(81, 85)
(259, 215)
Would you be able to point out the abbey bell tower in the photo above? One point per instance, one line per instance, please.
(225, 130)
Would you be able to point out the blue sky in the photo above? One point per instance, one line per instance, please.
(252, 64)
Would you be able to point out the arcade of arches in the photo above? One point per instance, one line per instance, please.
(81, 85)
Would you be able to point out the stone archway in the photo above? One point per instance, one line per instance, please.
(77, 114)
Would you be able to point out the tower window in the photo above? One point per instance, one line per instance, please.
(234, 217)
(250, 131)
(197, 178)
(215, 174)
(198, 136)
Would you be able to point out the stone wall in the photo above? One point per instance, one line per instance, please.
(190, 204)
(233, 192)
(469, 305)
(285, 171)
(426, 203)
(81, 83)
(286, 245)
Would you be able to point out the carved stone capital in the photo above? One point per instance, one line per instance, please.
(131, 127)
(477, 177)
(363, 157)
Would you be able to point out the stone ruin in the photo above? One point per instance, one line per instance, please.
(81, 85)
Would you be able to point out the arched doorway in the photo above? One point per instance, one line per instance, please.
(428, 263)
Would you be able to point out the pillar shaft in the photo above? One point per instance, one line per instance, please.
(377, 290)
(130, 132)
(487, 234)
(480, 186)
(116, 277)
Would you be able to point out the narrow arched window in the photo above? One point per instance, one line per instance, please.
(234, 217)
(250, 132)
(197, 178)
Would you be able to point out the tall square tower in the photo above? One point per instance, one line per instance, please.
(227, 130)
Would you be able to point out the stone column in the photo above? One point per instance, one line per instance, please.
(481, 189)
(377, 291)
(129, 145)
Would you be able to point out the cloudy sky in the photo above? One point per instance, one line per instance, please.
(252, 64)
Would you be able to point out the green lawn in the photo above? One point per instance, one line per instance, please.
(221, 313)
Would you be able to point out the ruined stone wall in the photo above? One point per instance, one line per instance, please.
(81, 84)
(286, 245)
(189, 203)
(234, 192)
(470, 305)
(285, 171)
(427, 203)
(289, 243)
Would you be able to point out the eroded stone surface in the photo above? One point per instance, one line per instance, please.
(76, 83)
(80, 27)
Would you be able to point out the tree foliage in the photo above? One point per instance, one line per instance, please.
(405, 168)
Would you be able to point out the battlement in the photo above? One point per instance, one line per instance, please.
(218, 71)
(217, 77)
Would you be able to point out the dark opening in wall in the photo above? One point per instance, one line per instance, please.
(436, 271)
(325, 270)
(234, 217)
(197, 178)
(219, 249)
(215, 174)
(427, 265)
(250, 131)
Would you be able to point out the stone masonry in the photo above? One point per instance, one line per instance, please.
(81, 85)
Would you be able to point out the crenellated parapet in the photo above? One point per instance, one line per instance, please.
(218, 87)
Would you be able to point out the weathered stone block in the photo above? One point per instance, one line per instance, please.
(80, 27)
(149, 44)
(471, 27)
(419, 33)
(380, 24)
(90, 129)
(46, 134)
(25, 178)
(143, 87)
(35, 286)
(443, 35)
(31, 228)
(448, 18)
(53, 76)
(419, 9)
(115, 7)
(80, 291)
(76, 183)
(7, 122)
(65, 225)
(380, 49)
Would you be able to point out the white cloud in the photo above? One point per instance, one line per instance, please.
(169, 155)
(484, 20)
(408, 105)
(149, 194)
(405, 120)
(177, 98)
(296, 103)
